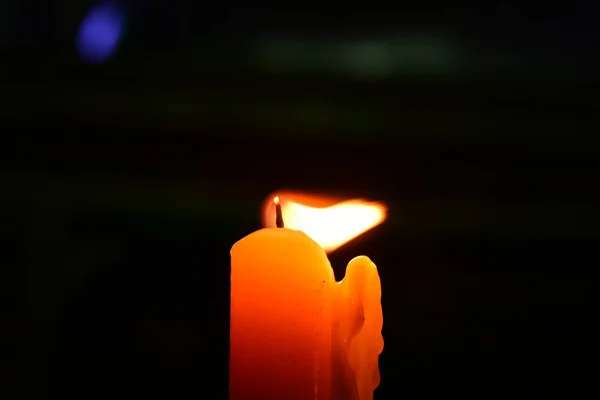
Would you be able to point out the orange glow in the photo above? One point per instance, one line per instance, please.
(276, 200)
(329, 222)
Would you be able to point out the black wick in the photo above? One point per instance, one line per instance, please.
(278, 213)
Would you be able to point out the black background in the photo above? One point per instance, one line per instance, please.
(119, 223)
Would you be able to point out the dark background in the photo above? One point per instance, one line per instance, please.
(127, 183)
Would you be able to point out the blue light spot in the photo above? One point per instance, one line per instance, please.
(100, 33)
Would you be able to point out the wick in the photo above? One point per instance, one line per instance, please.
(278, 213)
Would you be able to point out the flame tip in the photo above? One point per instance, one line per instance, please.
(276, 200)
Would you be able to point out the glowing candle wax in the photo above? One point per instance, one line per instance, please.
(297, 334)
(357, 331)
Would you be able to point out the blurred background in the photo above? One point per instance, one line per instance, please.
(141, 138)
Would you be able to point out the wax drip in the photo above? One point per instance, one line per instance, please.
(357, 331)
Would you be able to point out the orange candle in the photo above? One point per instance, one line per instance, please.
(296, 333)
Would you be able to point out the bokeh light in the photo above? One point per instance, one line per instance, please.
(100, 33)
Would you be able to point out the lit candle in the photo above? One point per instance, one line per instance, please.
(295, 333)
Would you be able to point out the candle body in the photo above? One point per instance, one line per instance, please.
(282, 290)
(295, 333)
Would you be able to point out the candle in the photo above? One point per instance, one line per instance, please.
(296, 333)
(281, 311)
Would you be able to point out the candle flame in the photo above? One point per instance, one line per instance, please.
(329, 222)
